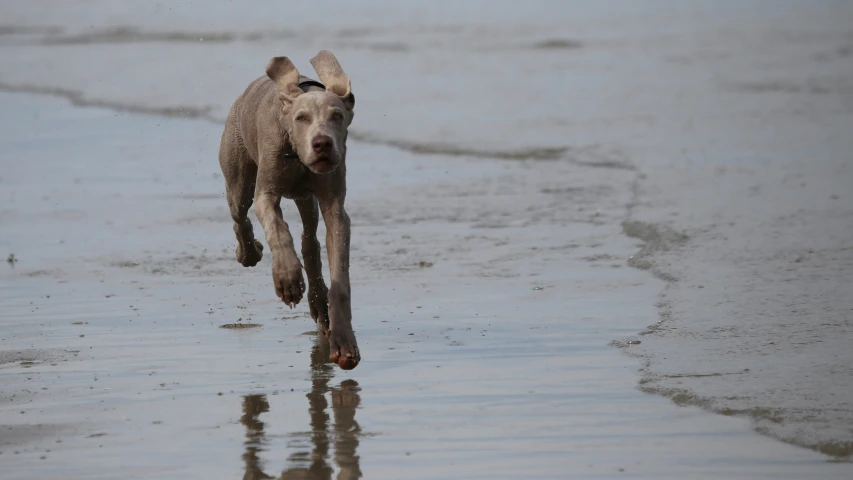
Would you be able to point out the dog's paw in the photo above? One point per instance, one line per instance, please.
(251, 254)
(344, 350)
(288, 282)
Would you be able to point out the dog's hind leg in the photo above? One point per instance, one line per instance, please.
(318, 294)
(240, 173)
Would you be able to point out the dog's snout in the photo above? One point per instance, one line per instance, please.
(321, 143)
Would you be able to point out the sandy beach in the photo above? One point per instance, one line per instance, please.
(588, 242)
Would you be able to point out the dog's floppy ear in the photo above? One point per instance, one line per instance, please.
(282, 71)
(333, 76)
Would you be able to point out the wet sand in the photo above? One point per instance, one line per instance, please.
(755, 320)
(491, 358)
(492, 253)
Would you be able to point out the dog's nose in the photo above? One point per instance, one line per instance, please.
(321, 143)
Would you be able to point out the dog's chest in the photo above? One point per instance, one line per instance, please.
(293, 180)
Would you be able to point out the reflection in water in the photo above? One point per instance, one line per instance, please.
(253, 407)
(311, 461)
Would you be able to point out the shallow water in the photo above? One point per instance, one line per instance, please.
(470, 369)
(490, 267)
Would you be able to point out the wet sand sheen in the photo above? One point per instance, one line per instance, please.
(499, 373)
(503, 257)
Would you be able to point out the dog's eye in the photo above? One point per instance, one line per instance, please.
(337, 116)
(301, 118)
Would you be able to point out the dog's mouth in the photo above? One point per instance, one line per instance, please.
(323, 164)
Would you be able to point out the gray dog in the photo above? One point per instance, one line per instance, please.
(286, 137)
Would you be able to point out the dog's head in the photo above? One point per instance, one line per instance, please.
(316, 121)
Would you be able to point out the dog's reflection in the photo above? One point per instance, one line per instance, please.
(311, 462)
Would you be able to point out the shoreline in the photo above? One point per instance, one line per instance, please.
(485, 338)
(777, 312)
(506, 168)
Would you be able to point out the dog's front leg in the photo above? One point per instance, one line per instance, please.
(344, 349)
(286, 269)
(318, 294)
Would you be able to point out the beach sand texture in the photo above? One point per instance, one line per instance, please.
(529, 186)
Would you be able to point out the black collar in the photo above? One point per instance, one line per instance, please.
(304, 84)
